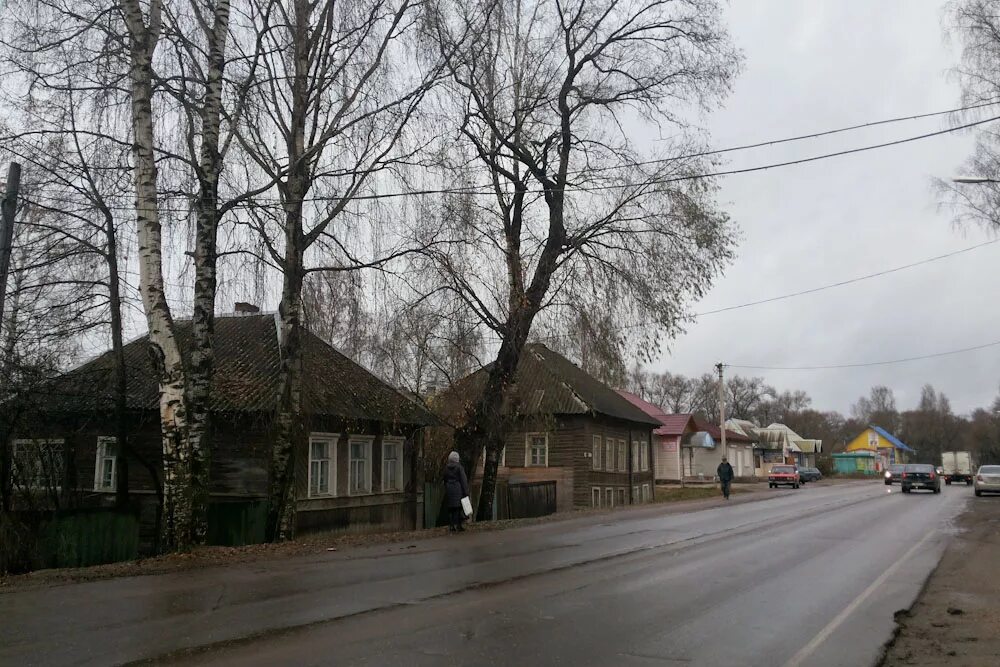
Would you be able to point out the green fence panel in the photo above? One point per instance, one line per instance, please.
(433, 498)
(89, 538)
(235, 524)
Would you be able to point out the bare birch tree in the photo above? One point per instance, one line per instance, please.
(326, 119)
(547, 93)
(975, 25)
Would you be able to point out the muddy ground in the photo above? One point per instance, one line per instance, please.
(681, 500)
(956, 620)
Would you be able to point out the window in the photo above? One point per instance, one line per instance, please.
(609, 454)
(322, 465)
(392, 464)
(537, 453)
(621, 496)
(595, 496)
(643, 456)
(635, 455)
(622, 463)
(645, 493)
(38, 464)
(609, 497)
(105, 465)
(595, 464)
(359, 449)
(635, 493)
(503, 457)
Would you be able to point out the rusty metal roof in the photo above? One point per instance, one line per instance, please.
(669, 424)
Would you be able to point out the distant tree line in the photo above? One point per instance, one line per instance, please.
(930, 427)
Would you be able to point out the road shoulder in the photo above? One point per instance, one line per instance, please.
(956, 619)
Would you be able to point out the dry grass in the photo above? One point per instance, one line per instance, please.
(675, 494)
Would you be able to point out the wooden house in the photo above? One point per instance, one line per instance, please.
(355, 463)
(567, 429)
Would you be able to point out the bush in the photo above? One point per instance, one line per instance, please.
(18, 545)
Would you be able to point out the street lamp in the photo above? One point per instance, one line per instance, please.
(973, 180)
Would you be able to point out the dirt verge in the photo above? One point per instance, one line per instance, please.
(956, 619)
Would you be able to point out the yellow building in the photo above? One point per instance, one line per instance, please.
(886, 448)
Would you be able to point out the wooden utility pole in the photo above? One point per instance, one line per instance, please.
(722, 408)
(7, 228)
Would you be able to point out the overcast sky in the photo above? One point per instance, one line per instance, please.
(818, 65)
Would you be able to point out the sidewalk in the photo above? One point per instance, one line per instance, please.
(956, 620)
(322, 543)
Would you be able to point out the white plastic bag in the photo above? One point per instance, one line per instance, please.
(467, 506)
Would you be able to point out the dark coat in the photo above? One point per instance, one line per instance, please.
(725, 472)
(456, 484)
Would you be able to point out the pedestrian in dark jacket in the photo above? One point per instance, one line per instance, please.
(725, 473)
(456, 487)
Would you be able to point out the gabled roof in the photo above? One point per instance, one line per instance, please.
(716, 432)
(245, 379)
(670, 424)
(896, 442)
(744, 426)
(546, 383)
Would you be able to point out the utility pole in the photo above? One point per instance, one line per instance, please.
(7, 228)
(722, 408)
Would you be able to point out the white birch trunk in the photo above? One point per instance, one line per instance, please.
(163, 343)
(205, 259)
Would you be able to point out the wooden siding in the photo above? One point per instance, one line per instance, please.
(240, 464)
(570, 439)
(563, 477)
(668, 457)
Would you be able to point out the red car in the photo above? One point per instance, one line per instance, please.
(783, 475)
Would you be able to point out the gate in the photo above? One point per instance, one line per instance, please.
(531, 499)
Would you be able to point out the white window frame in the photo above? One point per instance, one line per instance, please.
(366, 440)
(635, 493)
(527, 450)
(100, 456)
(37, 443)
(595, 492)
(609, 449)
(396, 442)
(332, 440)
(635, 456)
(596, 450)
(621, 496)
(609, 496)
(622, 454)
(645, 493)
(503, 457)
(643, 456)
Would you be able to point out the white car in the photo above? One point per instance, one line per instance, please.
(987, 480)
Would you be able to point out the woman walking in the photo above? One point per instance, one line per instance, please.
(456, 486)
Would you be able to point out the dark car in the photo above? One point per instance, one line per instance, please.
(920, 476)
(810, 474)
(893, 473)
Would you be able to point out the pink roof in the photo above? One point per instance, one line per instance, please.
(672, 424)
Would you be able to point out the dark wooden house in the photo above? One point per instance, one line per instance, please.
(356, 465)
(568, 428)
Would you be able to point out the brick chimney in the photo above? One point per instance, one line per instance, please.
(243, 308)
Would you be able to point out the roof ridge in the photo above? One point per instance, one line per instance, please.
(576, 395)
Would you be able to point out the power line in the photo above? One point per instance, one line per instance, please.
(866, 364)
(480, 190)
(841, 283)
(824, 133)
(848, 282)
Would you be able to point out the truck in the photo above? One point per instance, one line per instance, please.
(957, 467)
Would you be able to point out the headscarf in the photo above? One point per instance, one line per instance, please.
(453, 457)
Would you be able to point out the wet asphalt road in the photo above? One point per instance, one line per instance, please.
(803, 577)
